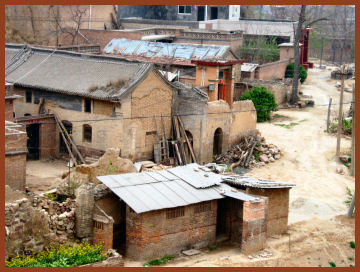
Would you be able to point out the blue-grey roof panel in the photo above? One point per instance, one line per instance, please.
(165, 50)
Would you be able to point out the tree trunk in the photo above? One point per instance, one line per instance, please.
(294, 93)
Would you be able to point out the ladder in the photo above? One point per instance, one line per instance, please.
(69, 142)
(161, 139)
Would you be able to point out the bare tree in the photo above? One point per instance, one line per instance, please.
(76, 18)
(294, 93)
(115, 22)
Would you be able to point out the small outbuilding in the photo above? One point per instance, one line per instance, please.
(164, 212)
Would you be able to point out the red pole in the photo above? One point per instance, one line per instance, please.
(223, 92)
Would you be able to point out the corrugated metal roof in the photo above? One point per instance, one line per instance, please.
(248, 67)
(170, 188)
(159, 194)
(255, 183)
(199, 178)
(147, 49)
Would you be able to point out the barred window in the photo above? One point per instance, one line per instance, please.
(176, 212)
(202, 207)
(184, 9)
(98, 225)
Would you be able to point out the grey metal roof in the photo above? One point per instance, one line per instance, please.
(158, 195)
(199, 178)
(170, 188)
(72, 73)
(255, 183)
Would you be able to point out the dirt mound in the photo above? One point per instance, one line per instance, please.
(110, 163)
(11, 195)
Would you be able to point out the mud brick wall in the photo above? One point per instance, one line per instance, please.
(151, 235)
(27, 229)
(15, 158)
(272, 70)
(278, 208)
(254, 227)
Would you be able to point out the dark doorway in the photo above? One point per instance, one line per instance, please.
(68, 126)
(220, 91)
(221, 218)
(119, 235)
(187, 151)
(218, 139)
(32, 132)
(213, 13)
(201, 13)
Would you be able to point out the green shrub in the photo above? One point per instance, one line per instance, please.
(61, 256)
(264, 102)
(161, 261)
(290, 72)
(352, 244)
(332, 264)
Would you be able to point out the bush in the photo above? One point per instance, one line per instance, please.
(264, 102)
(62, 256)
(290, 72)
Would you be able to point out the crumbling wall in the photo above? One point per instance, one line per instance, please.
(152, 235)
(61, 215)
(84, 211)
(278, 208)
(26, 228)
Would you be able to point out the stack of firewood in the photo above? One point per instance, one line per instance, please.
(252, 150)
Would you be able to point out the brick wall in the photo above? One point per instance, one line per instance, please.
(15, 157)
(254, 227)
(103, 231)
(152, 235)
(278, 208)
(9, 109)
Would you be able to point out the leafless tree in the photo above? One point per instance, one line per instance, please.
(76, 18)
(294, 93)
(115, 22)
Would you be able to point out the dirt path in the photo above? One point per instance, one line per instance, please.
(319, 231)
(43, 175)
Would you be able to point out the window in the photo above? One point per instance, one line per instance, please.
(202, 207)
(87, 105)
(28, 96)
(184, 9)
(150, 133)
(87, 133)
(98, 225)
(221, 74)
(176, 212)
(36, 99)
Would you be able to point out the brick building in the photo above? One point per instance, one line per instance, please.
(15, 156)
(9, 102)
(277, 194)
(165, 212)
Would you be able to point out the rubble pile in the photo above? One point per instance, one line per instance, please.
(62, 216)
(252, 151)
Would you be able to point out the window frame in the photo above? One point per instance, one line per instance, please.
(185, 13)
(173, 213)
(90, 105)
(85, 138)
(28, 94)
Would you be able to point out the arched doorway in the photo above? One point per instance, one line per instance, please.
(68, 126)
(187, 151)
(218, 139)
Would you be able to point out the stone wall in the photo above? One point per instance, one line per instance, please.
(26, 228)
(61, 215)
(151, 235)
(278, 208)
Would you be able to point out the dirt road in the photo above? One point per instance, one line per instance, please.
(319, 231)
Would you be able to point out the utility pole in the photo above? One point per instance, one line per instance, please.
(322, 48)
(340, 121)
(353, 133)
